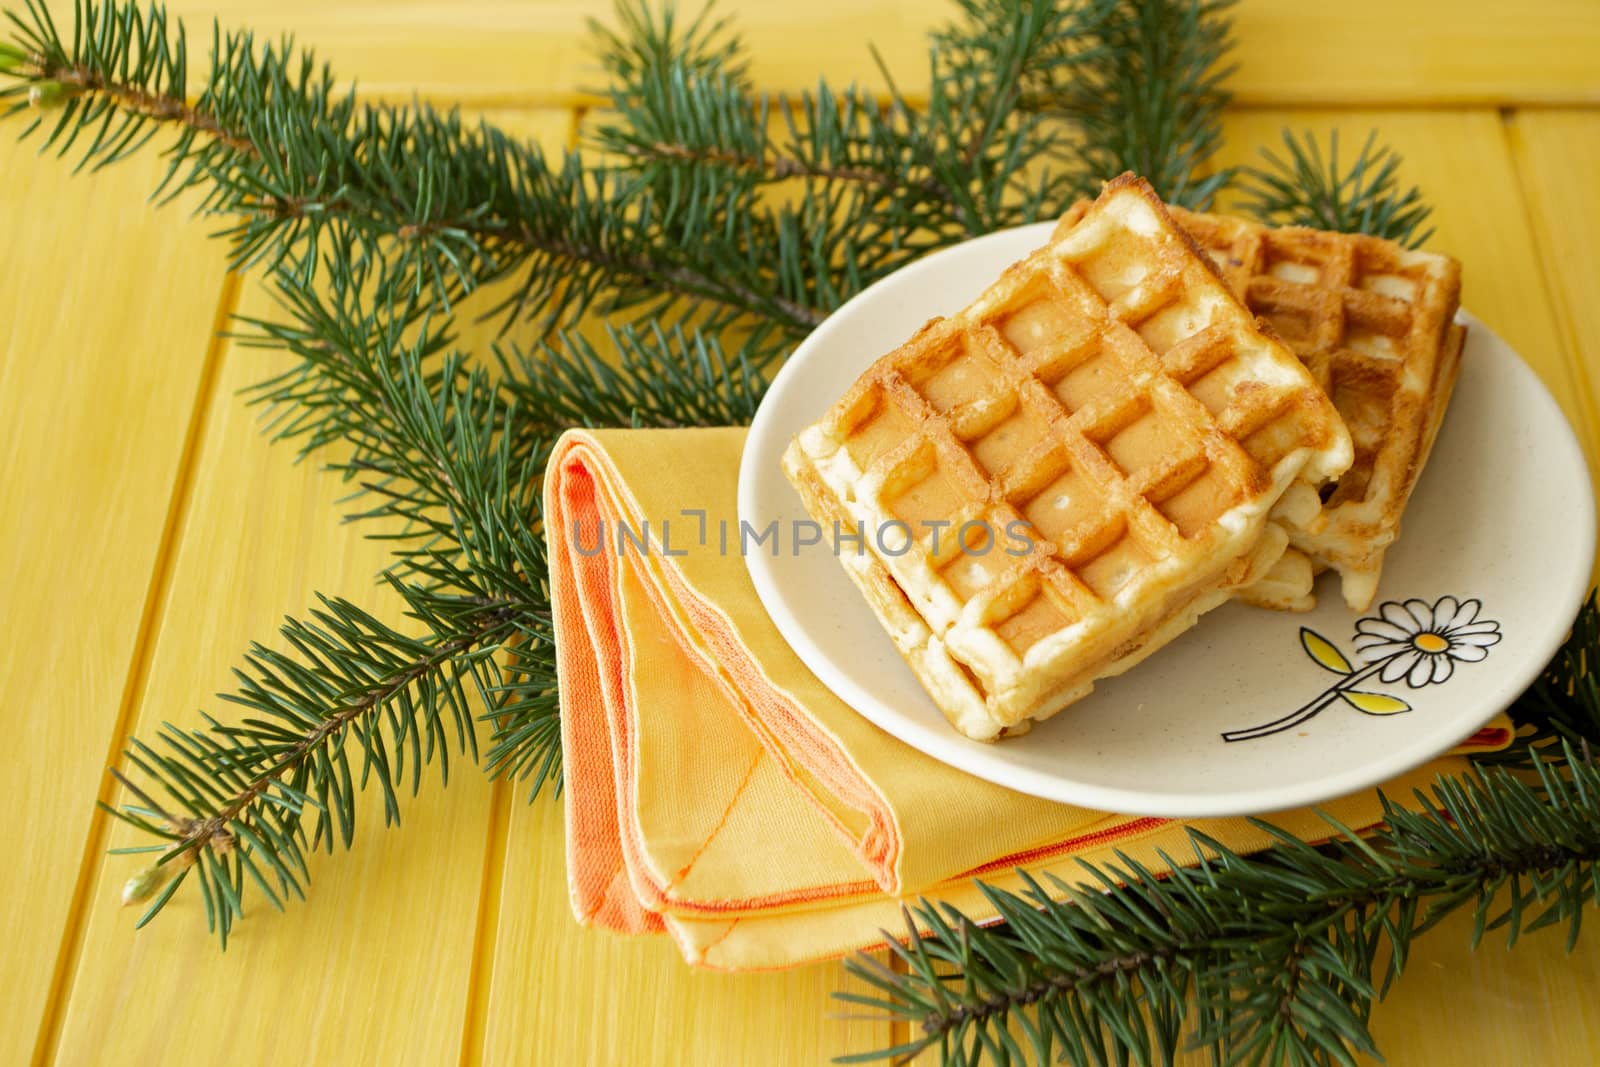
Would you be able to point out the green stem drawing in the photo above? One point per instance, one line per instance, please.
(1309, 710)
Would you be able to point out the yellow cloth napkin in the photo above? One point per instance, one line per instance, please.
(718, 792)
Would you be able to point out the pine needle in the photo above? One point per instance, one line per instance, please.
(1307, 187)
(720, 228)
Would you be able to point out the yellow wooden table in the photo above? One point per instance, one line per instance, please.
(149, 532)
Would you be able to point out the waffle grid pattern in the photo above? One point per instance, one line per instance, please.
(1108, 397)
(1372, 322)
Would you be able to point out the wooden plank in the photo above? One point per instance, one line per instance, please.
(88, 287)
(1363, 52)
(1358, 52)
(1535, 1003)
(1464, 167)
(563, 994)
(377, 966)
(378, 960)
(1455, 1005)
(552, 991)
(540, 50)
(1557, 157)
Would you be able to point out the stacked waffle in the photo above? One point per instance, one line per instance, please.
(1374, 323)
(1062, 477)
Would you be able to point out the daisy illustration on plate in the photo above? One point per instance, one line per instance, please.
(1412, 642)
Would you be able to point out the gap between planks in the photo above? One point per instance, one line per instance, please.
(577, 100)
(474, 1021)
(1571, 354)
(475, 1018)
(150, 620)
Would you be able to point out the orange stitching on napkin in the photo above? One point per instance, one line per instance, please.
(723, 821)
(786, 732)
(1071, 844)
(720, 937)
(781, 728)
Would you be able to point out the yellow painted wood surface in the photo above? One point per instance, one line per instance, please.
(150, 532)
(1356, 51)
(102, 356)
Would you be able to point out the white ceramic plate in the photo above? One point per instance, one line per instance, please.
(1503, 516)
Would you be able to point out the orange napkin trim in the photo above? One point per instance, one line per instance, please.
(717, 792)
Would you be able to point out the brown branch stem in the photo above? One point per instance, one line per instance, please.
(1378, 896)
(679, 280)
(211, 829)
(776, 167)
(157, 106)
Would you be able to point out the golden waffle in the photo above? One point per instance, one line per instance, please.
(1108, 400)
(1372, 321)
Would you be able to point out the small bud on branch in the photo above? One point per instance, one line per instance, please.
(144, 885)
(47, 94)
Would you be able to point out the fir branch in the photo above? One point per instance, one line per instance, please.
(453, 462)
(1562, 707)
(295, 165)
(349, 689)
(427, 429)
(835, 187)
(1032, 103)
(525, 745)
(683, 99)
(1307, 187)
(1281, 955)
(449, 458)
(974, 138)
(651, 48)
(1147, 95)
(660, 378)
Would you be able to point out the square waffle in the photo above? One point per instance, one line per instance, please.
(1099, 438)
(1373, 323)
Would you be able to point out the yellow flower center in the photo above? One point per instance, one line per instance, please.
(1429, 643)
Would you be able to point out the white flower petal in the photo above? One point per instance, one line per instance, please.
(1419, 674)
(1474, 628)
(1468, 653)
(1398, 617)
(1444, 610)
(1372, 653)
(1422, 611)
(1380, 629)
(1474, 640)
(1442, 668)
(1396, 668)
(1464, 614)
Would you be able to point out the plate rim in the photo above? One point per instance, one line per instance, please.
(942, 742)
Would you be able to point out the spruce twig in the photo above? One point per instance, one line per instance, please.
(1279, 952)
(1562, 707)
(1146, 93)
(738, 222)
(1307, 187)
(294, 164)
(848, 188)
(349, 683)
